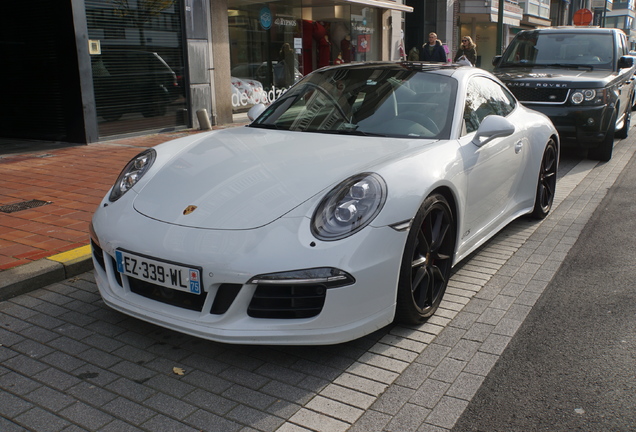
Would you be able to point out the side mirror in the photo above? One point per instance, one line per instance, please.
(625, 62)
(496, 60)
(493, 126)
(255, 111)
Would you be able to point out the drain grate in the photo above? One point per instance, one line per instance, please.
(16, 207)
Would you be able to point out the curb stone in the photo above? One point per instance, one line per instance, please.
(29, 277)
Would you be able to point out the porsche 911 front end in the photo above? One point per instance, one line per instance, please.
(270, 285)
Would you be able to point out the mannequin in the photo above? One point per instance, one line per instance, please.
(324, 51)
(345, 49)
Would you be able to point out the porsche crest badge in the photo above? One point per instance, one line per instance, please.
(189, 209)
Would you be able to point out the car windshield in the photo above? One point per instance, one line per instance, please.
(567, 50)
(394, 102)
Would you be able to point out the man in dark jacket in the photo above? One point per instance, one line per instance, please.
(433, 50)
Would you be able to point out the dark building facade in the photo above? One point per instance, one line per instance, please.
(80, 71)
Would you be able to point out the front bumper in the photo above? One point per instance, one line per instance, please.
(579, 126)
(232, 258)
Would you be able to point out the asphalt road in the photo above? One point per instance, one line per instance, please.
(572, 364)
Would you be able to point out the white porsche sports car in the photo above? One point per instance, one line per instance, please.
(342, 207)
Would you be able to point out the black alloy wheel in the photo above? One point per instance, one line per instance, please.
(546, 185)
(427, 261)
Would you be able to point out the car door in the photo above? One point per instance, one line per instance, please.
(493, 170)
(626, 85)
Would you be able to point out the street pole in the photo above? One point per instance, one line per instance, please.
(500, 27)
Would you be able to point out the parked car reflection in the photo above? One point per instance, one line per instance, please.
(246, 93)
(132, 81)
(258, 71)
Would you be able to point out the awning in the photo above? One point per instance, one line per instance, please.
(506, 20)
(383, 4)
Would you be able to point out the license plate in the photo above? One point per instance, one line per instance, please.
(167, 274)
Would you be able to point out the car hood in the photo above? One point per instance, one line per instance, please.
(542, 74)
(243, 178)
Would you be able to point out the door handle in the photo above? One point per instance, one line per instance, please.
(518, 146)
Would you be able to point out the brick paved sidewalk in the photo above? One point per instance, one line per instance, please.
(72, 180)
(69, 362)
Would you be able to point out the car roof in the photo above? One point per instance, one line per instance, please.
(397, 64)
(443, 68)
(575, 29)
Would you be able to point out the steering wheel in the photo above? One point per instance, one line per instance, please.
(422, 119)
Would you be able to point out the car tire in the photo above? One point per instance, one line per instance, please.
(604, 151)
(426, 262)
(114, 116)
(155, 110)
(546, 184)
(624, 131)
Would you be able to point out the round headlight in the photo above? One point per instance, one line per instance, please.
(132, 173)
(577, 97)
(349, 207)
(589, 94)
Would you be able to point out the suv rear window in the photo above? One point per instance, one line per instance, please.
(562, 49)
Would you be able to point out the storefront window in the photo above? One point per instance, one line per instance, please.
(365, 33)
(137, 60)
(265, 50)
(272, 45)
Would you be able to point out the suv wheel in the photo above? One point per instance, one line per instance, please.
(604, 151)
(624, 131)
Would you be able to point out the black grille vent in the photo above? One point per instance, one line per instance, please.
(287, 301)
(224, 298)
(113, 265)
(98, 254)
(169, 296)
(25, 205)
(547, 95)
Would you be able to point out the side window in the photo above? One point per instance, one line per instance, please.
(485, 97)
(623, 48)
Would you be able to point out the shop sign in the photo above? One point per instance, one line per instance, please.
(244, 99)
(361, 28)
(286, 22)
(265, 18)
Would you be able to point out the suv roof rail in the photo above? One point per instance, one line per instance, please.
(578, 26)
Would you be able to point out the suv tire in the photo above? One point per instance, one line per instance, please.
(604, 151)
(624, 131)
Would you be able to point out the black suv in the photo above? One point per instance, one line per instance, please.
(580, 77)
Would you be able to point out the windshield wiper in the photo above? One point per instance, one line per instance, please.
(566, 65)
(348, 132)
(266, 126)
(508, 64)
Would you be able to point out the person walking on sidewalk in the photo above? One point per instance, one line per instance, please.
(433, 50)
(467, 50)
